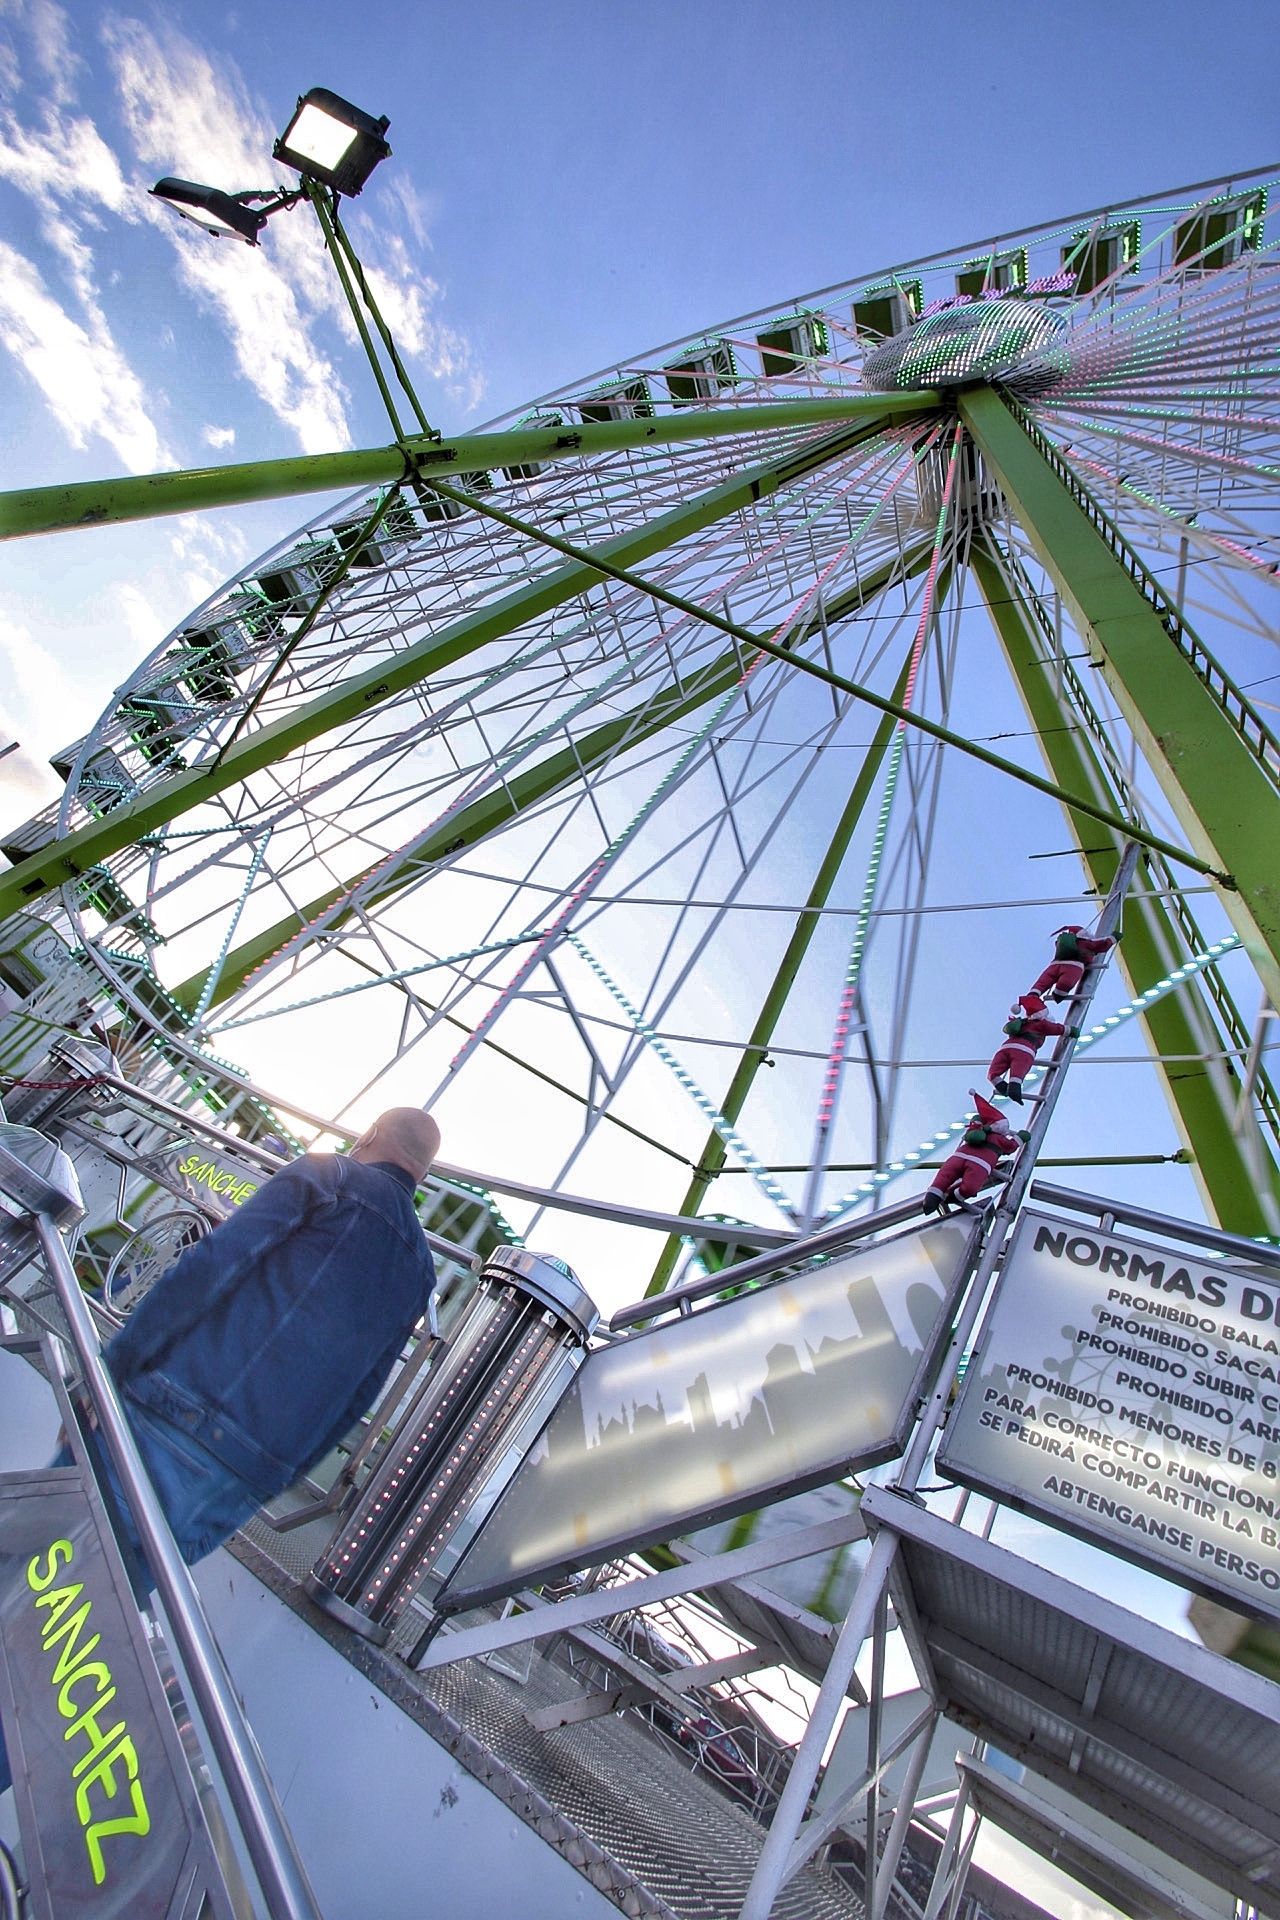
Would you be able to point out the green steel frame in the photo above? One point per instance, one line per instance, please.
(1224, 794)
(1235, 1171)
(1222, 787)
(100, 503)
(88, 845)
(519, 793)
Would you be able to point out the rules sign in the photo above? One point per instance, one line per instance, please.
(1130, 1394)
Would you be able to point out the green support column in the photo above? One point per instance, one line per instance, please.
(89, 845)
(712, 1157)
(527, 788)
(100, 503)
(1225, 795)
(1236, 1172)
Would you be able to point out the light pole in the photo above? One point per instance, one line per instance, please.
(334, 147)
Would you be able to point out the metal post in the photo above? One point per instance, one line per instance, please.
(270, 1845)
(875, 1719)
(942, 1877)
(771, 1868)
(320, 207)
(962, 1868)
(147, 496)
(897, 1835)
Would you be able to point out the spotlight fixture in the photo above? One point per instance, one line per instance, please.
(228, 215)
(330, 141)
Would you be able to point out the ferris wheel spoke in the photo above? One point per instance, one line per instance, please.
(611, 839)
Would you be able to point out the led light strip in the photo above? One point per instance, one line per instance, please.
(833, 1075)
(702, 1101)
(215, 972)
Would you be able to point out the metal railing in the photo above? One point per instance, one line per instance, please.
(761, 1266)
(257, 1811)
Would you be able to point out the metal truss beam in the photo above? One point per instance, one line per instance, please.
(1236, 1173)
(100, 503)
(520, 792)
(65, 859)
(1223, 795)
(698, 1576)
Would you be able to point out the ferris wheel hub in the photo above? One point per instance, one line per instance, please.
(969, 343)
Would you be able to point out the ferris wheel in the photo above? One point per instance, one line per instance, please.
(677, 820)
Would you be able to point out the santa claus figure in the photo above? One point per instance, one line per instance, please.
(1073, 951)
(1026, 1030)
(986, 1141)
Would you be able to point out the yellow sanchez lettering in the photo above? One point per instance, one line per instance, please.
(109, 1760)
(207, 1173)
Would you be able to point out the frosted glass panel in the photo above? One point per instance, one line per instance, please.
(726, 1410)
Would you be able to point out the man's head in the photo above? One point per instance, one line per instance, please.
(405, 1136)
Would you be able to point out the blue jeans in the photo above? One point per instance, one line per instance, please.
(203, 1501)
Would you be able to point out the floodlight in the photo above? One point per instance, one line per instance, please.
(223, 214)
(330, 141)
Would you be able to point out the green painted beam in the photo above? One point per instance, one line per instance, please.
(522, 790)
(99, 503)
(1235, 1171)
(809, 919)
(89, 845)
(1224, 800)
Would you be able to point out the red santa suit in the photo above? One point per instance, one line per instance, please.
(1075, 951)
(1027, 1030)
(966, 1172)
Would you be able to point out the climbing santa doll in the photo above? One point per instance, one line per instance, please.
(986, 1141)
(1073, 951)
(1026, 1030)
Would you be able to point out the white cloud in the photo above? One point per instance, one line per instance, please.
(218, 436)
(39, 699)
(182, 114)
(85, 378)
(186, 116)
(65, 159)
(73, 181)
(50, 32)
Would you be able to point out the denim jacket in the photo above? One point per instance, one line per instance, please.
(270, 1337)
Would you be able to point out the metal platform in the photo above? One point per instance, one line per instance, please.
(613, 1798)
(1093, 1850)
(1094, 1698)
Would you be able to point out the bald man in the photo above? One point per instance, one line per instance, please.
(265, 1342)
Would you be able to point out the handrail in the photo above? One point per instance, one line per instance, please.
(1233, 1245)
(761, 1264)
(267, 1838)
(191, 1122)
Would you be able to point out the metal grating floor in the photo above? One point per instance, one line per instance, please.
(658, 1838)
